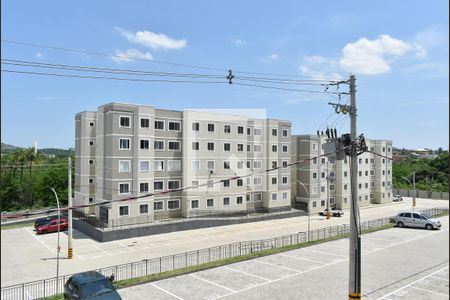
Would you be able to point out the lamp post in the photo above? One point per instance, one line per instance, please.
(307, 194)
(59, 248)
(413, 184)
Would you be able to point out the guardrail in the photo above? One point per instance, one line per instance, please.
(47, 287)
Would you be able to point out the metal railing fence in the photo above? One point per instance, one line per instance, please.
(47, 287)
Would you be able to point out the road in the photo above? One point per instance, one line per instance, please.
(398, 263)
(27, 257)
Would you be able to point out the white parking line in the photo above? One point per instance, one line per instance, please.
(37, 239)
(338, 247)
(249, 274)
(301, 258)
(216, 284)
(165, 291)
(410, 284)
(440, 278)
(428, 291)
(324, 252)
(273, 265)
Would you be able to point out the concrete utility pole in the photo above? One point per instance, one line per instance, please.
(69, 201)
(354, 288)
(58, 249)
(414, 189)
(328, 193)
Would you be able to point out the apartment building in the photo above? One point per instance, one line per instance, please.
(318, 178)
(125, 150)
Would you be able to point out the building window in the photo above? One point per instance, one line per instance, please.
(158, 185)
(314, 204)
(174, 146)
(274, 164)
(314, 175)
(195, 126)
(145, 144)
(239, 200)
(360, 161)
(145, 123)
(322, 203)
(124, 166)
(240, 147)
(257, 180)
(249, 164)
(123, 210)
(174, 126)
(195, 165)
(360, 173)
(284, 195)
(91, 124)
(91, 199)
(174, 165)
(91, 180)
(227, 128)
(257, 148)
(274, 148)
(274, 180)
(345, 187)
(285, 149)
(257, 197)
(332, 200)
(159, 145)
(195, 184)
(274, 196)
(257, 131)
(144, 166)
(226, 164)
(143, 208)
(210, 127)
(210, 146)
(345, 199)
(314, 146)
(210, 202)
(240, 182)
(249, 131)
(226, 183)
(323, 161)
(173, 204)
(240, 129)
(284, 163)
(91, 143)
(124, 188)
(285, 132)
(366, 173)
(159, 125)
(274, 132)
(210, 165)
(383, 172)
(315, 190)
(248, 197)
(158, 205)
(249, 148)
(331, 187)
(173, 184)
(159, 165)
(366, 185)
(226, 147)
(257, 164)
(124, 121)
(195, 146)
(226, 201)
(367, 161)
(194, 203)
(240, 164)
(124, 144)
(143, 187)
(284, 180)
(322, 189)
(345, 173)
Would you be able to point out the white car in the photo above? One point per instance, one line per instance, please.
(397, 198)
(334, 212)
(416, 219)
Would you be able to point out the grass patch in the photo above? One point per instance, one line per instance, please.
(14, 226)
(54, 297)
(154, 277)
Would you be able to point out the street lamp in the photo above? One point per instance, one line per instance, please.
(413, 184)
(309, 220)
(59, 248)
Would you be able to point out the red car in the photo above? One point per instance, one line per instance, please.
(52, 226)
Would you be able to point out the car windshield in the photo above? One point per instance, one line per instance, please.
(96, 288)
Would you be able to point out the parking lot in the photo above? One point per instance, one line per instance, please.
(27, 257)
(399, 263)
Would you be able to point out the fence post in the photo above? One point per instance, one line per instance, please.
(198, 257)
(23, 291)
(44, 289)
(185, 260)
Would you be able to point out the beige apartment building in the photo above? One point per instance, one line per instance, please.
(317, 179)
(125, 150)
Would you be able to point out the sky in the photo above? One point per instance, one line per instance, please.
(397, 50)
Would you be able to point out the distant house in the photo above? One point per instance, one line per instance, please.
(423, 153)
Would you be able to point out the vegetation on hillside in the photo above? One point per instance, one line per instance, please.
(431, 174)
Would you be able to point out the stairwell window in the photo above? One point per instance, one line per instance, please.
(124, 188)
(159, 125)
(124, 144)
(145, 123)
(125, 122)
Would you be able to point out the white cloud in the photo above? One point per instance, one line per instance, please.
(274, 57)
(238, 42)
(39, 55)
(376, 56)
(271, 58)
(130, 54)
(152, 40)
(320, 67)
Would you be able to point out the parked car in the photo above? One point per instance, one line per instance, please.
(397, 198)
(52, 226)
(44, 220)
(334, 212)
(416, 219)
(90, 285)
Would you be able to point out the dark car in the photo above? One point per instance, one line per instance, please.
(90, 285)
(52, 226)
(44, 220)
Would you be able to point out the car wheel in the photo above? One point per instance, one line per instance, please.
(429, 226)
(400, 224)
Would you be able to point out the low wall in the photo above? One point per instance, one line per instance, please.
(421, 194)
(112, 235)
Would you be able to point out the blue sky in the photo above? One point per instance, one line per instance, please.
(398, 51)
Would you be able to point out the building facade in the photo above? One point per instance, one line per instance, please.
(125, 150)
(318, 179)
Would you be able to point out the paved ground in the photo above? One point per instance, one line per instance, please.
(27, 257)
(398, 263)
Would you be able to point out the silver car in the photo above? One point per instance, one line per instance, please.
(416, 219)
